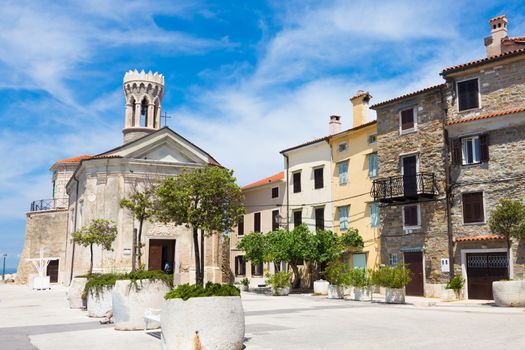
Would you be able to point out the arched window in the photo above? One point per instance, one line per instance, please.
(144, 113)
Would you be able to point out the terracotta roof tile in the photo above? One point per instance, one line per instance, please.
(407, 95)
(265, 181)
(496, 18)
(482, 61)
(487, 116)
(325, 138)
(479, 238)
(76, 159)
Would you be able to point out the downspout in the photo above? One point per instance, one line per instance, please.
(74, 226)
(287, 192)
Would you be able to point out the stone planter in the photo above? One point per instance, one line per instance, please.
(75, 291)
(283, 291)
(202, 323)
(244, 288)
(129, 303)
(395, 295)
(336, 292)
(99, 305)
(509, 293)
(321, 287)
(362, 293)
(450, 295)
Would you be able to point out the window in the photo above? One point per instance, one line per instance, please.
(473, 207)
(408, 120)
(343, 173)
(275, 220)
(343, 146)
(275, 192)
(257, 222)
(240, 266)
(297, 218)
(240, 227)
(257, 269)
(318, 178)
(343, 218)
(297, 182)
(393, 259)
(372, 138)
(411, 216)
(372, 165)
(374, 215)
(359, 261)
(54, 189)
(319, 218)
(468, 94)
(470, 150)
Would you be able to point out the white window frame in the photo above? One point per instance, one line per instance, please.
(418, 226)
(405, 155)
(484, 209)
(339, 173)
(464, 141)
(345, 147)
(391, 257)
(407, 131)
(457, 95)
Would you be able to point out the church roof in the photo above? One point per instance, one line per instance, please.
(76, 159)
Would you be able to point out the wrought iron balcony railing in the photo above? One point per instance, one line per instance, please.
(49, 204)
(404, 188)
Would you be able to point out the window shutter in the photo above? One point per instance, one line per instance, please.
(484, 147)
(455, 147)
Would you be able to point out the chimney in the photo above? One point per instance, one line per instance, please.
(360, 107)
(498, 32)
(335, 124)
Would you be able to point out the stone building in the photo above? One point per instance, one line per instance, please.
(97, 184)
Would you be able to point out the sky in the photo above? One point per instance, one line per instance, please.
(243, 79)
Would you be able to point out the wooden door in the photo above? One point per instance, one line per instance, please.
(482, 270)
(155, 254)
(409, 165)
(414, 261)
(52, 271)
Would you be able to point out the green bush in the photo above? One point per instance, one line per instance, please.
(456, 283)
(359, 278)
(279, 279)
(187, 291)
(392, 277)
(245, 282)
(140, 275)
(97, 282)
(337, 273)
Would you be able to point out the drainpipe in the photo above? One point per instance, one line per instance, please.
(74, 227)
(287, 192)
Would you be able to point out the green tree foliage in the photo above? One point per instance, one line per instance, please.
(508, 220)
(186, 291)
(398, 276)
(207, 199)
(98, 232)
(254, 246)
(337, 273)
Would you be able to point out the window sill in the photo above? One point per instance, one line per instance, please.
(406, 228)
(467, 165)
(474, 223)
(407, 131)
(469, 110)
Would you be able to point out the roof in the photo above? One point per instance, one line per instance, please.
(407, 95)
(76, 159)
(265, 181)
(354, 128)
(482, 61)
(487, 116)
(479, 238)
(325, 138)
(497, 17)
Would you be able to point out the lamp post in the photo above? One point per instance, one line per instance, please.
(3, 268)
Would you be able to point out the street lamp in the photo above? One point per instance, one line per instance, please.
(3, 268)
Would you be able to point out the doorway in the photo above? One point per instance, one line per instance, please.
(161, 251)
(482, 270)
(52, 271)
(409, 172)
(414, 261)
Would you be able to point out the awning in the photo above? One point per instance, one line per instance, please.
(411, 249)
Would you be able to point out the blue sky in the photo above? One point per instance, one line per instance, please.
(244, 79)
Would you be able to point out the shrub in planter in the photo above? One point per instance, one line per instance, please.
(196, 317)
(394, 279)
(336, 274)
(245, 284)
(453, 289)
(280, 282)
(98, 292)
(509, 293)
(360, 280)
(136, 291)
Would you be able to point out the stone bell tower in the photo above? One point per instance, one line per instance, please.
(143, 93)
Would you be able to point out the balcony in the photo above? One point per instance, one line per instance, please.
(404, 188)
(49, 204)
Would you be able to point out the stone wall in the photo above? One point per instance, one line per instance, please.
(46, 229)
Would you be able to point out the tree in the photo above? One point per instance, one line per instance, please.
(207, 199)
(141, 204)
(508, 220)
(255, 247)
(98, 232)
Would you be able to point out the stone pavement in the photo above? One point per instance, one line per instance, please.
(42, 320)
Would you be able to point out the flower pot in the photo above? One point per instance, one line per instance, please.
(130, 303)
(282, 291)
(395, 295)
(450, 295)
(99, 304)
(336, 292)
(362, 293)
(244, 288)
(509, 293)
(321, 287)
(75, 291)
(202, 323)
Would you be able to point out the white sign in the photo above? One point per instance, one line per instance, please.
(445, 266)
(127, 251)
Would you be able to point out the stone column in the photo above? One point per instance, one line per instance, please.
(157, 117)
(129, 115)
(136, 122)
(151, 115)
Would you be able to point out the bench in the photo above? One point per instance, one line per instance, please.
(151, 315)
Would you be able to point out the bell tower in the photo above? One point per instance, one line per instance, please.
(143, 93)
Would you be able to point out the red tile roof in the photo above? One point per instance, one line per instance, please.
(483, 61)
(265, 181)
(407, 95)
(479, 238)
(325, 138)
(496, 18)
(487, 116)
(76, 159)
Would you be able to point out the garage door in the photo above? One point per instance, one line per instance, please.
(482, 270)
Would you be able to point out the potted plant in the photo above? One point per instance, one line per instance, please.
(135, 292)
(280, 282)
(336, 274)
(453, 289)
(98, 293)
(197, 317)
(394, 279)
(245, 284)
(360, 280)
(98, 232)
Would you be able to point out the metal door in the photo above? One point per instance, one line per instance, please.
(482, 270)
